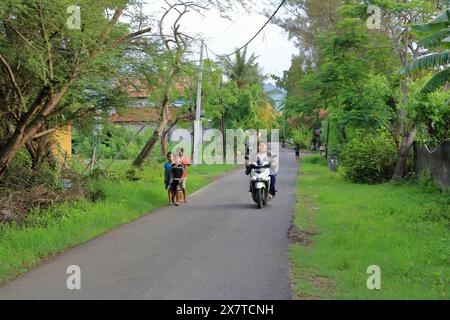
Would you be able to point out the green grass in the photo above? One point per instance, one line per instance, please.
(404, 229)
(52, 231)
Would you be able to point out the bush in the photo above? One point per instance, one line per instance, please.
(114, 142)
(370, 158)
(300, 138)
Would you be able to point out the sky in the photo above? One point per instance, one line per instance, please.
(223, 36)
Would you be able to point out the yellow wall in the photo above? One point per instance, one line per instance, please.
(63, 146)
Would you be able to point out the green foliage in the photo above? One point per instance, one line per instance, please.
(241, 102)
(247, 107)
(426, 181)
(436, 36)
(429, 61)
(51, 74)
(23, 176)
(349, 83)
(356, 78)
(370, 158)
(430, 111)
(243, 70)
(301, 138)
(114, 142)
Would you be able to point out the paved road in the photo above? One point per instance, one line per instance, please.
(219, 246)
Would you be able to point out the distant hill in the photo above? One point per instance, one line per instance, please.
(276, 94)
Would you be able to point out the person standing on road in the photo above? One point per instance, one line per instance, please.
(168, 175)
(186, 162)
(297, 152)
(175, 186)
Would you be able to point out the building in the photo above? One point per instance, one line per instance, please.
(63, 143)
(140, 111)
(135, 118)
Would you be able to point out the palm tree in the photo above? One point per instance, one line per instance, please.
(437, 37)
(242, 70)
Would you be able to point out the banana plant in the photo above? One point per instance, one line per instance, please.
(437, 38)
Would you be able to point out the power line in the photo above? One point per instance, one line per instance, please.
(214, 39)
(437, 148)
(254, 37)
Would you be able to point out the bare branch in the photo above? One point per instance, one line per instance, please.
(47, 44)
(131, 36)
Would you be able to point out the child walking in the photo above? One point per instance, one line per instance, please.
(177, 175)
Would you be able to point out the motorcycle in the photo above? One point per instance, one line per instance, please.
(260, 182)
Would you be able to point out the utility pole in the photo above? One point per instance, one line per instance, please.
(328, 138)
(198, 141)
(222, 123)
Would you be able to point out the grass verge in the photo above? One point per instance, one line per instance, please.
(340, 229)
(52, 231)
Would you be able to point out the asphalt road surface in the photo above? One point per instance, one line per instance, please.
(217, 247)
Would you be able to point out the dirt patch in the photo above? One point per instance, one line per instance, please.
(300, 237)
(322, 284)
(305, 201)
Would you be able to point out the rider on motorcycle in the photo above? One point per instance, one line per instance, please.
(265, 156)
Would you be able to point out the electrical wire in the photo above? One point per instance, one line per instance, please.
(437, 148)
(214, 39)
(210, 70)
(254, 37)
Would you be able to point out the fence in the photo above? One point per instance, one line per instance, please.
(436, 161)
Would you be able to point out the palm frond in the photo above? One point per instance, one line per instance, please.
(427, 62)
(438, 81)
(434, 40)
(442, 21)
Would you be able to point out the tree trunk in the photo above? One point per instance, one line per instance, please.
(6, 156)
(164, 145)
(343, 135)
(222, 129)
(403, 154)
(157, 134)
(22, 135)
(40, 150)
(408, 137)
(30, 124)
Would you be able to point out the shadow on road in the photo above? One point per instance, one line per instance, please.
(229, 207)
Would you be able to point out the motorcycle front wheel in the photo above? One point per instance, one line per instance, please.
(265, 197)
(259, 198)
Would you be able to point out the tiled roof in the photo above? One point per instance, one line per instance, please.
(134, 88)
(140, 115)
(140, 88)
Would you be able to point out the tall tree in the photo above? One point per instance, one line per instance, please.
(305, 20)
(171, 70)
(242, 69)
(399, 18)
(43, 58)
